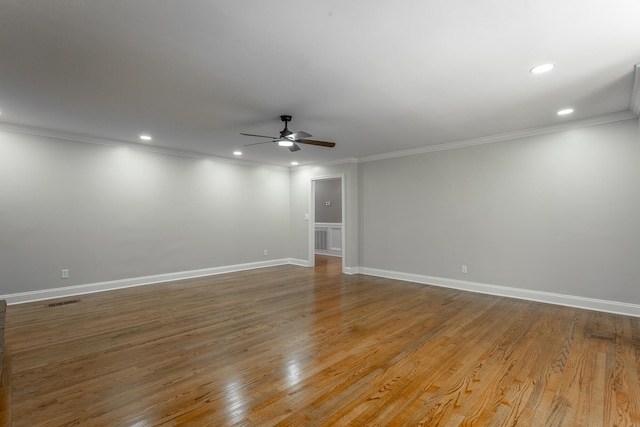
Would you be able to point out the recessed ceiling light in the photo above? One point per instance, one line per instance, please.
(542, 68)
(237, 153)
(294, 163)
(565, 111)
(145, 137)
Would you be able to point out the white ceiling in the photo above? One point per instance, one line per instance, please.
(373, 76)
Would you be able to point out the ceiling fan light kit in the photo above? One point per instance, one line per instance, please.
(285, 142)
(290, 139)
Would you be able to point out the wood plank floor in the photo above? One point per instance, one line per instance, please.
(294, 346)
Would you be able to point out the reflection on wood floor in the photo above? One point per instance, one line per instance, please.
(328, 264)
(310, 347)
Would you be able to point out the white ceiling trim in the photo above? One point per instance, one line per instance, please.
(607, 118)
(71, 136)
(76, 137)
(336, 162)
(635, 95)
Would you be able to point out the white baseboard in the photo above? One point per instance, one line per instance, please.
(299, 262)
(351, 270)
(503, 291)
(336, 254)
(68, 291)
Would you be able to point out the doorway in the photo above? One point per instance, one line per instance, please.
(327, 221)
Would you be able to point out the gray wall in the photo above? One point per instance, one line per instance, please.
(557, 212)
(329, 190)
(109, 213)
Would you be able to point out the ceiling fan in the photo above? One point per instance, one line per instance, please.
(290, 139)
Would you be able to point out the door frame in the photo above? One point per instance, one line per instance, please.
(312, 216)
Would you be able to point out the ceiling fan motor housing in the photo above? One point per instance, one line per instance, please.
(285, 131)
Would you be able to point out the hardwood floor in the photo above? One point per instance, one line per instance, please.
(295, 346)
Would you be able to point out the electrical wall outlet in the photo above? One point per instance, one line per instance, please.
(65, 273)
(464, 269)
(266, 252)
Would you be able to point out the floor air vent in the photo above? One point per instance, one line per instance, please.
(61, 303)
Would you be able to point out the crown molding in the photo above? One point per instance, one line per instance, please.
(598, 120)
(635, 95)
(78, 137)
(345, 161)
(338, 162)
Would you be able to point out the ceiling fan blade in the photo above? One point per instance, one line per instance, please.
(318, 143)
(294, 147)
(297, 135)
(257, 143)
(259, 136)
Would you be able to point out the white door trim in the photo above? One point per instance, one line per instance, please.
(312, 216)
